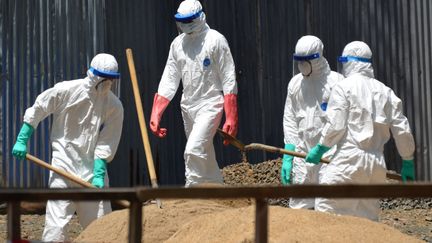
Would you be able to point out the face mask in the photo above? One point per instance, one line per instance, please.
(104, 84)
(305, 68)
(189, 28)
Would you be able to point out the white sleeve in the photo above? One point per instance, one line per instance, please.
(171, 76)
(400, 129)
(226, 67)
(337, 116)
(109, 135)
(290, 127)
(46, 103)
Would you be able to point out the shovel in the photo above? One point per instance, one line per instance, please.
(142, 123)
(69, 176)
(258, 146)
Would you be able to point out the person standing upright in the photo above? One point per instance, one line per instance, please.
(304, 114)
(361, 113)
(201, 58)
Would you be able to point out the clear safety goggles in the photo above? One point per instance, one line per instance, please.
(187, 18)
(188, 23)
(105, 74)
(303, 65)
(108, 76)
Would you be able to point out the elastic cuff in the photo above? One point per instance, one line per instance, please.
(290, 147)
(408, 157)
(323, 148)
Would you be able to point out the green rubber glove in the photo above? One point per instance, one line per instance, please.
(315, 154)
(19, 150)
(407, 171)
(99, 171)
(287, 161)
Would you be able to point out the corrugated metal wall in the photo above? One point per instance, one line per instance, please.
(262, 36)
(398, 32)
(42, 42)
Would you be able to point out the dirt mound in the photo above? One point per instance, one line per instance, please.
(286, 225)
(213, 221)
(158, 224)
(233, 220)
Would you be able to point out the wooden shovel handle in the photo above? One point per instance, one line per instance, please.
(142, 123)
(268, 148)
(69, 176)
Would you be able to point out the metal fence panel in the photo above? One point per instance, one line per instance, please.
(47, 41)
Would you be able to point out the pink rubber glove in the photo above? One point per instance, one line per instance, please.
(160, 103)
(231, 116)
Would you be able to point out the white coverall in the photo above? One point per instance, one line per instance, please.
(203, 61)
(361, 112)
(303, 116)
(86, 125)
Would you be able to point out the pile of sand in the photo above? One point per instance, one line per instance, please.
(233, 221)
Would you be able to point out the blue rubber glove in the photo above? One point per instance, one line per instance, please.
(99, 171)
(315, 154)
(287, 161)
(19, 150)
(407, 171)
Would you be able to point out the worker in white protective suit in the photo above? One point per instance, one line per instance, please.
(304, 114)
(202, 59)
(86, 128)
(361, 113)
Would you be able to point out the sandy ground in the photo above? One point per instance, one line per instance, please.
(179, 215)
(217, 221)
(232, 220)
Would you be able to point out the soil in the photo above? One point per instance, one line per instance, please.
(212, 220)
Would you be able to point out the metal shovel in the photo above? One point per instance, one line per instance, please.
(258, 146)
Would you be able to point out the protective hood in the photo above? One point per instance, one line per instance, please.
(103, 71)
(356, 58)
(190, 18)
(309, 57)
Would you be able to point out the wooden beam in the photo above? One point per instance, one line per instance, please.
(135, 222)
(261, 221)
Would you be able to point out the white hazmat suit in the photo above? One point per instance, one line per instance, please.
(304, 114)
(87, 123)
(201, 58)
(361, 113)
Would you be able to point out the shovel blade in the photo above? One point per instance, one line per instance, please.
(232, 140)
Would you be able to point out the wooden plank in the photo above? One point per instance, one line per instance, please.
(330, 191)
(145, 193)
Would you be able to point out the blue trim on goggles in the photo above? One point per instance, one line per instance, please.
(105, 74)
(353, 58)
(305, 58)
(186, 18)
